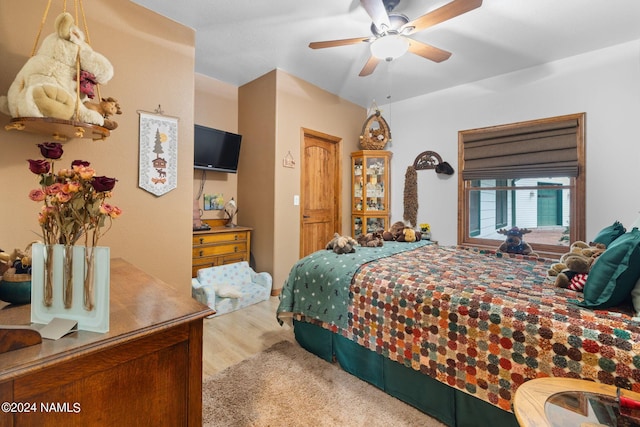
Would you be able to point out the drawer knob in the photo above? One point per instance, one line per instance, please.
(201, 240)
(235, 249)
(201, 253)
(235, 237)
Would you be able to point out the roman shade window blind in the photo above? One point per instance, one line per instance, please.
(545, 149)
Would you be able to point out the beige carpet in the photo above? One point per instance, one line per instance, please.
(287, 386)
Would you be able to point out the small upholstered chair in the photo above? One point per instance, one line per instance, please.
(229, 287)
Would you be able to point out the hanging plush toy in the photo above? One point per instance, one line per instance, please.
(47, 84)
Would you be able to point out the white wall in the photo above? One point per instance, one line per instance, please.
(605, 84)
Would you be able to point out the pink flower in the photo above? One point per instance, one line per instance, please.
(37, 195)
(39, 166)
(106, 209)
(115, 212)
(51, 150)
(53, 189)
(63, 197)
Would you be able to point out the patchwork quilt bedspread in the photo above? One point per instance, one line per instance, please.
(483, 323)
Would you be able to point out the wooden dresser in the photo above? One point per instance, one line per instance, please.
(147, 370)
(220, 245)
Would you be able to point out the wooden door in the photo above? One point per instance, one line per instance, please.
(320, 191)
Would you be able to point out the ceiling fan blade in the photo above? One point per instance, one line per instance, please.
(427, 51)
(334, 43)
(444, 13)
(370, 66)
(377, 12)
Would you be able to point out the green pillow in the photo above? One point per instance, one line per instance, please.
(614, 273)
(608, 234)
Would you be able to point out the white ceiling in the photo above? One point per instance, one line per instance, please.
(240, 40)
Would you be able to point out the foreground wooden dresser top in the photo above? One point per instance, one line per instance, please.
(147, 370)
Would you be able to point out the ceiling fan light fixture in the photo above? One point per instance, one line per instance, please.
(389, 47)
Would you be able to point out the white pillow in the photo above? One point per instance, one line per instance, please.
(228, 291)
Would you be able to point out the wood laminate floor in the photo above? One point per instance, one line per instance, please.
(230, 338)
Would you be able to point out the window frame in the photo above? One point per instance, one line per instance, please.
(577, 187)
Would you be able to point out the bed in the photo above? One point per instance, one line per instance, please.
(454, 331)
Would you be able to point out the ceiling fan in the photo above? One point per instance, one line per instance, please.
(390, 30)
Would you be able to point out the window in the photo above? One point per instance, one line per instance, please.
(502, 198)
(527, 175)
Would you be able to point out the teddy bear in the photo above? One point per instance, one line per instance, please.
(514, 243)
(409, 235)
(106, 107)
(395, 231)
(574, 276)
(342, 244)
(574, 266)
(47, 85)
(371, 240)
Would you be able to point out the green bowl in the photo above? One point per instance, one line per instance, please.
(15, 292)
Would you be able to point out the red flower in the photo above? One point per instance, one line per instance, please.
(51, 150)
(39, 166)
(103, 183)
(80, 163)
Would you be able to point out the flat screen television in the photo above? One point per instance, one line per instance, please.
(215, 150)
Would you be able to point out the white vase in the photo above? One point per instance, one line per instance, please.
(91, 310)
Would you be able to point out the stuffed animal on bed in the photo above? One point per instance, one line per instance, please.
(514, 243)
(399, 232)
(370, 240)
(395, 231)
(575, 275)
(574, 266)
(409, 235)
(342, 244)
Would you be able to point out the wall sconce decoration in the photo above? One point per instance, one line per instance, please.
(432, 160)
(288, 161)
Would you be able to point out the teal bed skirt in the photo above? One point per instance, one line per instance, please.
(452, 407)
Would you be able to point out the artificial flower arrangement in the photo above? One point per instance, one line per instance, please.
(426, 231)
(74, 207)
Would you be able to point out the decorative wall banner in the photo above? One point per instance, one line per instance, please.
(158, 167)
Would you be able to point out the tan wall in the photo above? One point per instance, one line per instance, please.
(273, 110)
(153, 59)
(256, 189)
(216, 106)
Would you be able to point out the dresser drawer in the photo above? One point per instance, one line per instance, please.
(220, 245)
(204, 239)
(212, 261)
(221, 249)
